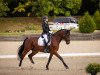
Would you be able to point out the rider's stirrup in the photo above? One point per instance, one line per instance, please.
(46, 50)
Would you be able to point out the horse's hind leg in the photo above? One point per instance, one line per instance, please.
(31, 55)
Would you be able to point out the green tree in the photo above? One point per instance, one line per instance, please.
(44, 7)
(47, 7)
(38, 7)
(23, 7)
(90, 5)
(97, 19)
(72, 5)
(57, 7)
(3, 9)
(87, 24)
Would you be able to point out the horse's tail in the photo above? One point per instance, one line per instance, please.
(21, 49)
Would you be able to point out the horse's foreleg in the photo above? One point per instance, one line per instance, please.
(50, 57)
(61, 60)
(31, 55)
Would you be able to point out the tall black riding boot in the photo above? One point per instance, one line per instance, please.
(46, 50)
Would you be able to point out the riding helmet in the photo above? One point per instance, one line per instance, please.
(44, 17)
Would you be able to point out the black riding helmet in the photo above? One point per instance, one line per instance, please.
(44, 18)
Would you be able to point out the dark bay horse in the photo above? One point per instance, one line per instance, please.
(31, 43)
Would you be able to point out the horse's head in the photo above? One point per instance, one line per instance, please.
(63, 34)
(66, 36)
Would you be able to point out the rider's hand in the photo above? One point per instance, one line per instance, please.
(50, 31)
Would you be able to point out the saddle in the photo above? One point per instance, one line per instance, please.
(41, 40)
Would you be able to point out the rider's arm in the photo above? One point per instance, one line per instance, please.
(45, 27)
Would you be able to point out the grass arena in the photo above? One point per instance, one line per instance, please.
(77, 55)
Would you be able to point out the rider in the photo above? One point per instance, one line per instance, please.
(46, 33)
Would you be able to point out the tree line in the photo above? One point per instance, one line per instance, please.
(47, 7)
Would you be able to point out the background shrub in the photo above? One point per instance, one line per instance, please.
(97, 19)
(87, 24)
(93, 68)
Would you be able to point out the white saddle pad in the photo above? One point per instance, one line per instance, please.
(41, 40)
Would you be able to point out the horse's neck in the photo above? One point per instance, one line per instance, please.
(57, 37)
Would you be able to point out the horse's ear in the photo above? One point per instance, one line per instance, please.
(68, 30)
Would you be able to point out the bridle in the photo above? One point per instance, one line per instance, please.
(66, 32)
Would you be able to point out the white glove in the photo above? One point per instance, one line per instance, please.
(50, 31)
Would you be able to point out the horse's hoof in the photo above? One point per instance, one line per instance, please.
(47, 68)
(67, 67)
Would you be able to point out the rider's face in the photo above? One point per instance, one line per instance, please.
(46, 20)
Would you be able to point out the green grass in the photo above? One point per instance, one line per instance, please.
(17, 26)
(11, 34)
(28, 32)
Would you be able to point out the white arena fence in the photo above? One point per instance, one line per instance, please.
(47, 55)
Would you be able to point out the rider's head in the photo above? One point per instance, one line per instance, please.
(45, 18)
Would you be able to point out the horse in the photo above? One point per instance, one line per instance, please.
(31, 43)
